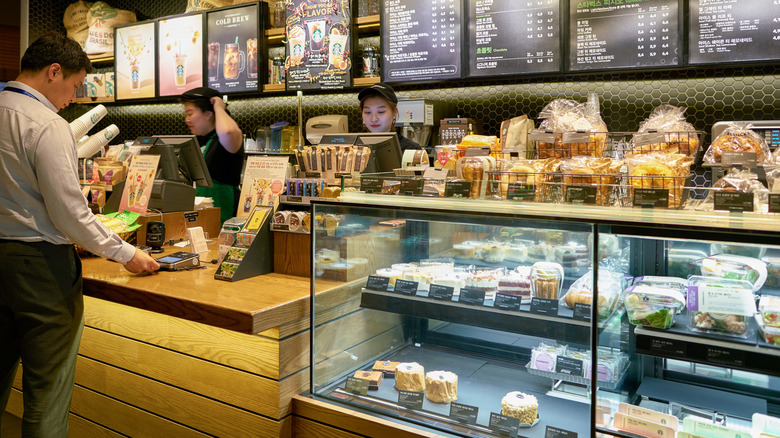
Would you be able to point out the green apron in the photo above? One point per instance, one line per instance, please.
(223, 194)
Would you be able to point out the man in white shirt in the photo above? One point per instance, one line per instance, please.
(42, 214)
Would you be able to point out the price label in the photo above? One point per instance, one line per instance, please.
(544, 306)
(725, 357)
(554, 432)
(568, 366)
(411, 187)
(410, 399)
(435, 173)
(378, 283)
(655, 198)
(646, 138)
(582, 312)
(297, 199)
(441, 293)
(733, 201)
(457, 189)
(371, 185)
(774, 202)
(666, 346)
(406, 287)
(520, 191)
(464, 413)
(507, 302)
(473, 297)
(316, 175)
(581, 194)
(503, 424)
(480, 151)
(542, 136)
(739, 159)
(357, 386)
(575, 137)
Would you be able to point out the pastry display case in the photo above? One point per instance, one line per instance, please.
(484, 318)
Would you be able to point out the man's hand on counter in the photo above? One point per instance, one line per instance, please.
(141, 262)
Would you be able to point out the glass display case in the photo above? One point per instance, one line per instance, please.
(476, 318)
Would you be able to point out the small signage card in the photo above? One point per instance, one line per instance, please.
(441, 293)
(406, 287)
(378, 283)
(503, 424)
(410, 399)
(568, 366)
(544, 306)
(520, 191)
(357, 386)
(646, 138)
(655, 198)
(739, 159)
(581, 194)
(411, 187)
(667, 346)
(436, 173)
(774, 202)
(542, 136)
(582, 312)
(371, 185)
(138, 186)
(507, 302)
(473, 297)
(725, 356)
(457, 189)
(478, 151)
(554, 432)
(575, 137)
(464, 413)
(733, 201)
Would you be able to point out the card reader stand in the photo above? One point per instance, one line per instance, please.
(252, 253)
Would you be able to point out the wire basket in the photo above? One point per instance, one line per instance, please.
(521, 186)
(673, 142)
(645, 185)
(580, 188)
(578, 143)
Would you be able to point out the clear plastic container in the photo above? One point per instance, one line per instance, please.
(740, 250)
(680, 262)
(581, 291)
(769, 308)
(733, 267)
(717, 305)
(773, 271)
(676, 283)
(770, 334)
(546, 280)
(652, 306)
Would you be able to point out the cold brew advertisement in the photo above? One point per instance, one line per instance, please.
(514, 37)
(733, 31)
(180, 54)
(232, 51)
(134, 59)
(421, 40)
(319, 44)
(608, 34)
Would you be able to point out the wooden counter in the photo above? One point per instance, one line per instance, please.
(182, 354)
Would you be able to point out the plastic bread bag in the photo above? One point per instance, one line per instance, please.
(679, 136)
(737, 180)
(737, 137)
(657, 170)
(773, 176)
(514, 135)
(603, 173)
(581, 291)
(567, 116)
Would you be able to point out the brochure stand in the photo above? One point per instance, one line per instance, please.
(252, 252)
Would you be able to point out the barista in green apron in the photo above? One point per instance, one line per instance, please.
(221, 141)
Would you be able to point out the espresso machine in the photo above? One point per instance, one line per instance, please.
(417, 119)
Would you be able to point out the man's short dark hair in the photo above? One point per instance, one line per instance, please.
(56, 48)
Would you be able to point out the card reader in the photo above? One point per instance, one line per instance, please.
(179, 261)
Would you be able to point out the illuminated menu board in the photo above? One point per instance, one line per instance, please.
(422, 40)
(609, 34)
(234, 49)
(733, 30)
(514, 37)
(179, 54)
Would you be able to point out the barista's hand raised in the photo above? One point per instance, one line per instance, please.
(218, 103)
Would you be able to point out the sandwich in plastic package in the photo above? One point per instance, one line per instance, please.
(721, 306)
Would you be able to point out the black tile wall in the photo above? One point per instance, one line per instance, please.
(711, 95)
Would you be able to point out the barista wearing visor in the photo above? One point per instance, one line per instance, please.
(221, 140)
(378, 103)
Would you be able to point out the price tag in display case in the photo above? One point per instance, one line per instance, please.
(554, 432)
(652, 198)
(377, 283)
(503, 424)
(441, 293)
(410, 399)
(357, 386)
(371, 185)
(457, 189)
(734, 202)
(507, 302)
(406, 287)
(582, 312)
(544, 306)
(473, 297)
(581, 194)
(568, 366)
(774, 202)
(464, 413)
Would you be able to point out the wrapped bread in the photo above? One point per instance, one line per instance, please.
(410, 376)
(473, 140)
(679, 136)
(600, 172)
(657, 170)
(737, 180)
(737, 137)
(562, 116)
(441, 386)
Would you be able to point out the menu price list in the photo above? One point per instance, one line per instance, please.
(422, 40)
(514, 36)
(607, 34)
(733, 30)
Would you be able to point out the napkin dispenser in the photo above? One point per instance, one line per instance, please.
(318, 126)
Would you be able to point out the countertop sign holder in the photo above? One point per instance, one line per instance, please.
(252, 253)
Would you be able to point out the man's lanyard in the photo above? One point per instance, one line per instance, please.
(20, 91)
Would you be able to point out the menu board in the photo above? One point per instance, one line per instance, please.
(733, 31)
(319, 42)
(606, 34)
(514, 37)
(421, 40)
(180, 54)
(134, 58)
(232, 51)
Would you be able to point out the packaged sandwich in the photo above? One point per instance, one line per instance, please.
(652, 306)
(674, 134)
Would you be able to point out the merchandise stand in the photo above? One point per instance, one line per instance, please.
(252, 252)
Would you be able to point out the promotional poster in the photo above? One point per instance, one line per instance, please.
(233, 55)
(180, 54)
(138, 186)
(264, 179)
(319, 41)
(134, 55)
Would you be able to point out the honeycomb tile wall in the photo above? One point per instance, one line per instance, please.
(711, 94)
